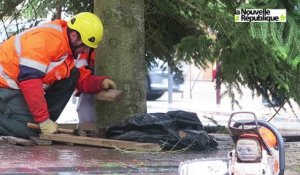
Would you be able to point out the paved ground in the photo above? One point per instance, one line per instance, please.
(76, 159)
(67, 159)
(201, 99)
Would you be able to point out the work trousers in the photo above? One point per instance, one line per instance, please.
(86, 109)
(14, 112)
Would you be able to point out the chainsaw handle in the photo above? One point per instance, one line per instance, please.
(235, 126)
(257, 123)
(236, 113)
(280, 143)
(278, 136)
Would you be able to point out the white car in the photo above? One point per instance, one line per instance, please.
(157, 83)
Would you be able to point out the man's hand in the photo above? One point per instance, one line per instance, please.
(48, 127)
(108, 84)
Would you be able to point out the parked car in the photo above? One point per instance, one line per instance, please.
(157, 83)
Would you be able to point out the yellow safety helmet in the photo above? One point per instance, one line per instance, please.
(89, 26)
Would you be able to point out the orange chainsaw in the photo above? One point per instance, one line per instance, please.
(259, 149)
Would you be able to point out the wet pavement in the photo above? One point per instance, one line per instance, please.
(75, 159)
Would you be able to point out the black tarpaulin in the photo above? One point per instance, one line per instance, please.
(173, 130)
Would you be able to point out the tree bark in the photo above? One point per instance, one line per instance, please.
(121, 55)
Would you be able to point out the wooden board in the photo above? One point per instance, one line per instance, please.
(39, 141)
(109, 143)
(110, 95)
(17, 141)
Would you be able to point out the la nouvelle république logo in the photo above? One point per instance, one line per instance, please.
(260, 15)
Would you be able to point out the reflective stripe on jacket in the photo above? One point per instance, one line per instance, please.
(81, 64)
(36, 58)
(85, 64)
(40, 52)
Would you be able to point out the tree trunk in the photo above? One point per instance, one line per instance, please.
(121, 55)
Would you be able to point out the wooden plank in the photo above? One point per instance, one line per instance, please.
(85, 129)
(40, 142)
(83, 126)
(17, 141)
(109, 143)
(67, 125)
(110, 95)
(60, 130)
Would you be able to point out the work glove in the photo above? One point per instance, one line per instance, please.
(108, 84)
(48, 127)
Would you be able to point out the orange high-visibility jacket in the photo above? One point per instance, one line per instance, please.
(42, 55)
(86, 61)
(42, 51)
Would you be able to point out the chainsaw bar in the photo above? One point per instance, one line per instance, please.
(211, 166)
